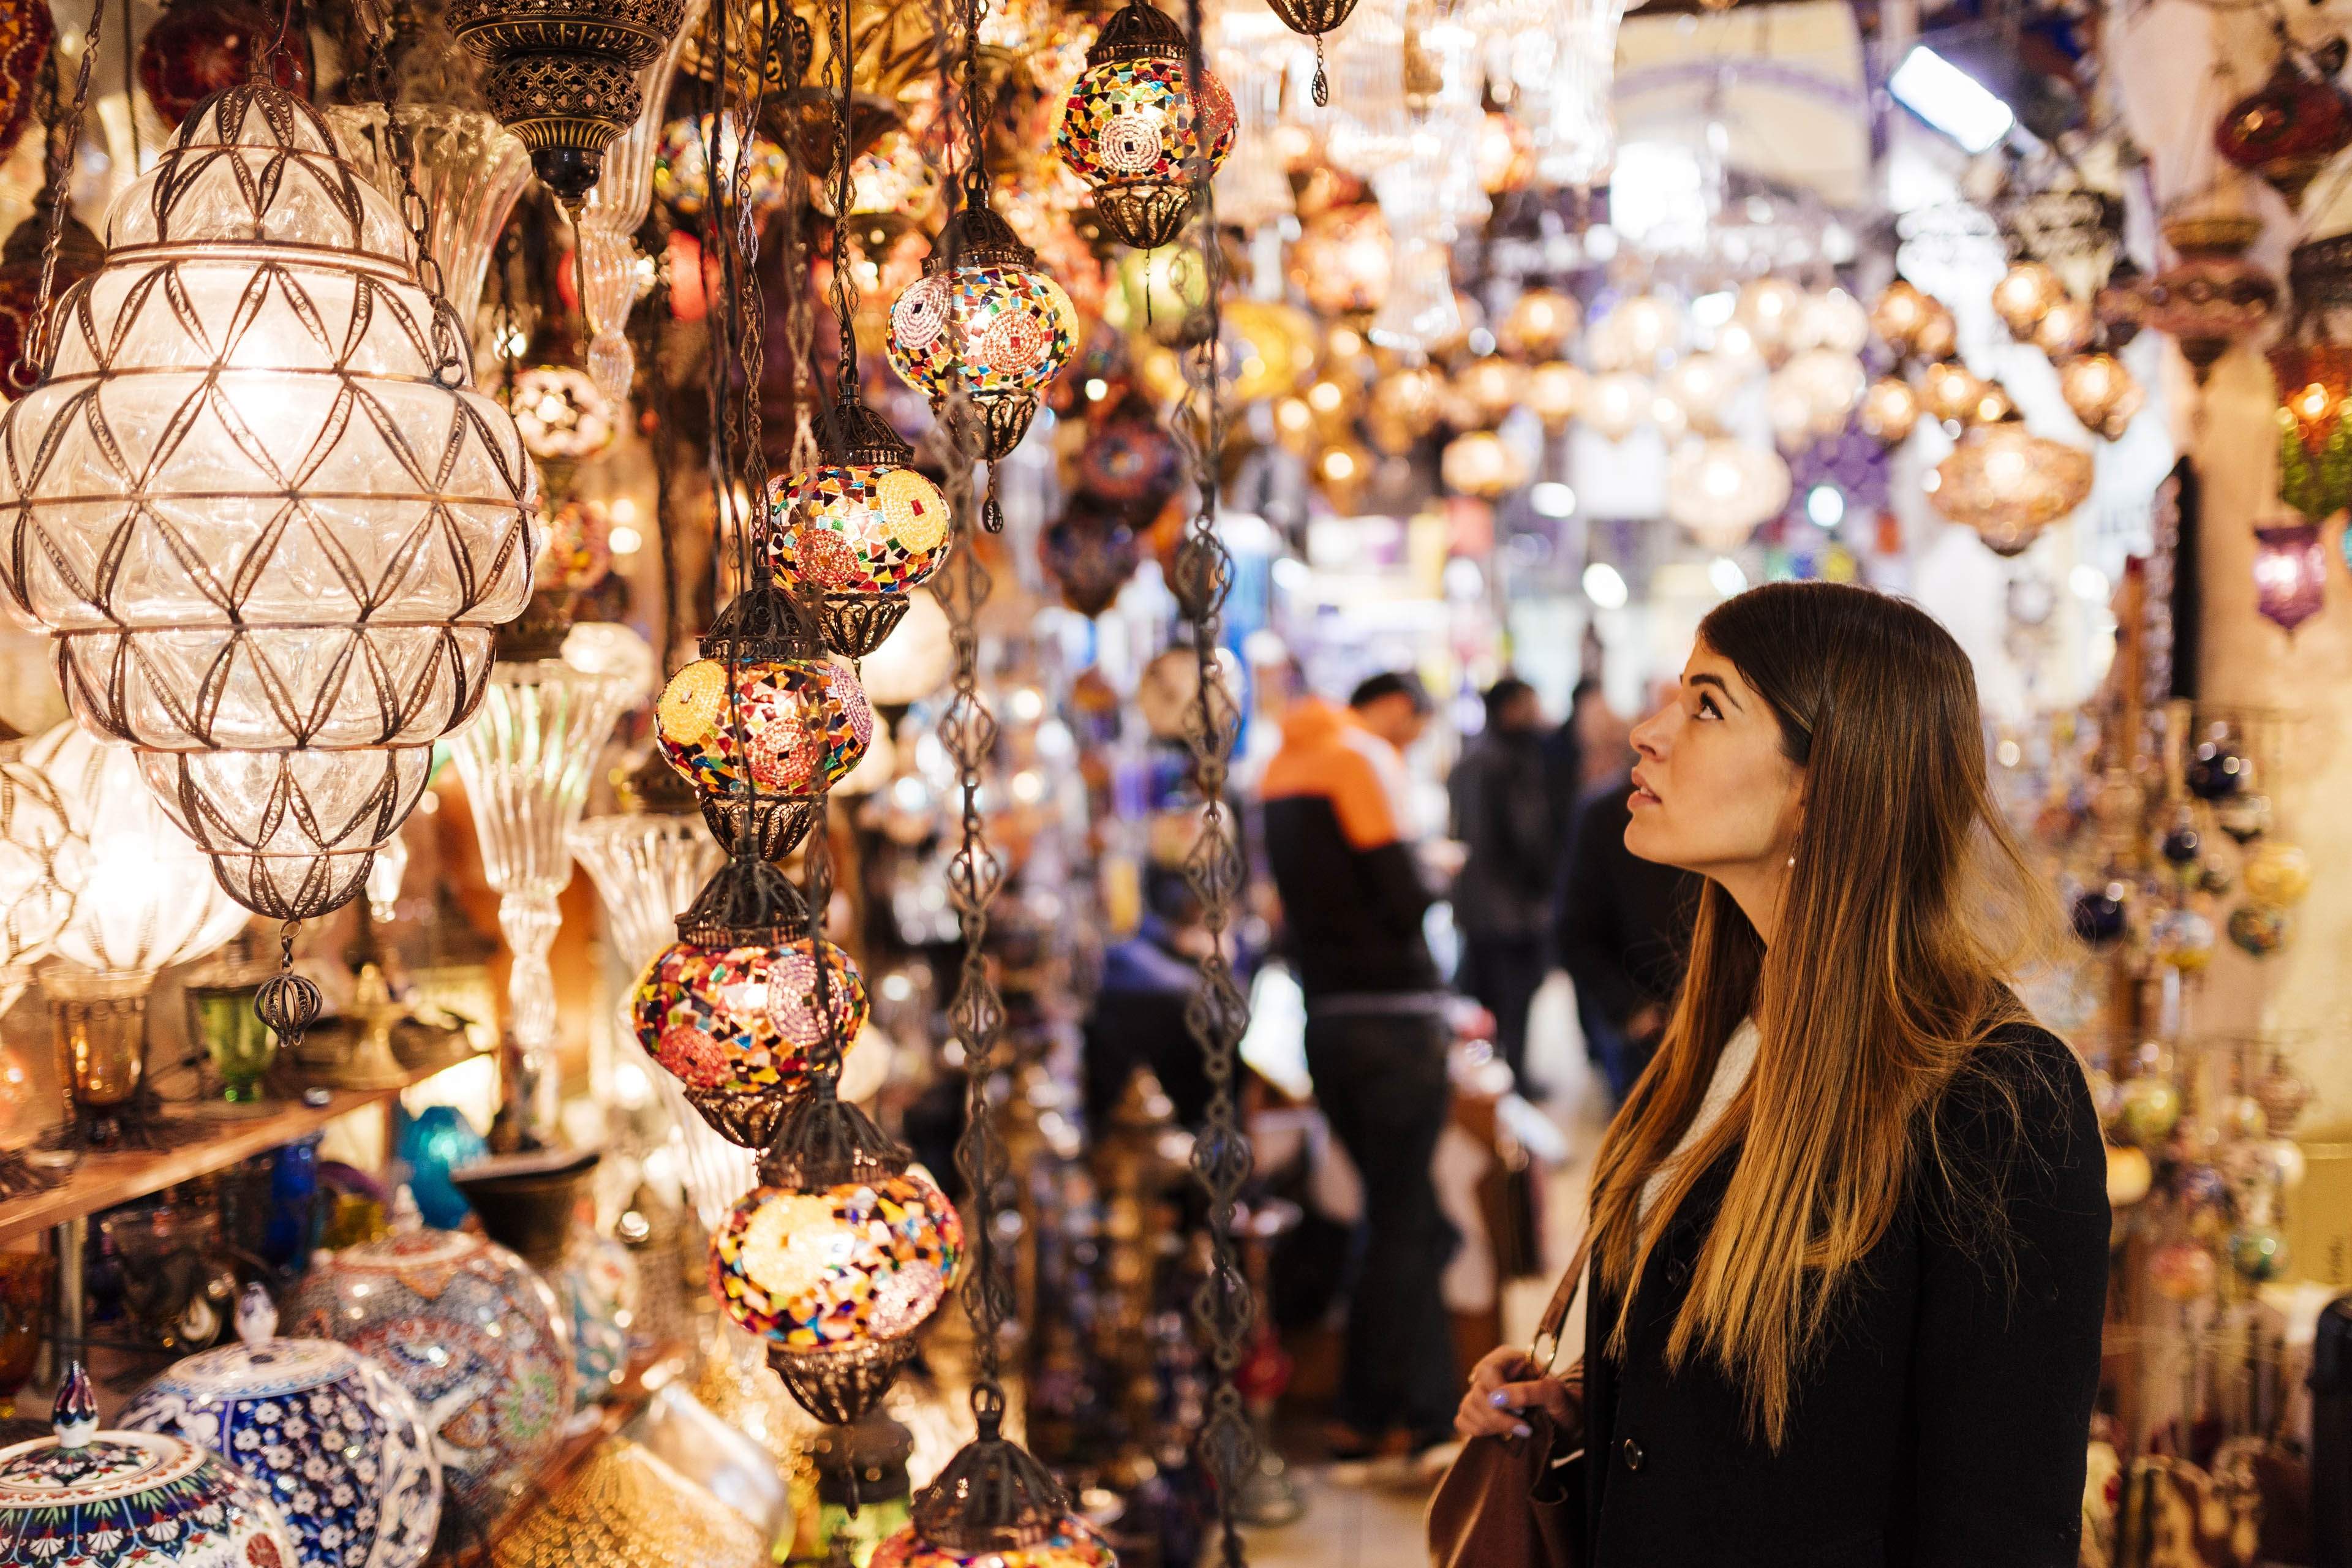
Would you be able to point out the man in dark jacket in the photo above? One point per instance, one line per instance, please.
(1621, 924)
(1502, 900)
(1353, 900)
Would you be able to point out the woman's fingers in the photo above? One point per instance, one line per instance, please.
(1498, 1367)
(1546, 1394)
(1478, 1417)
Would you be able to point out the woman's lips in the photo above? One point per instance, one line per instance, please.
(1643, 794)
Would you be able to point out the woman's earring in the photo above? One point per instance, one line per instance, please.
(1792, 860)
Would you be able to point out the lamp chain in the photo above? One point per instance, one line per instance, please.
(450, 371)
(1217, 1012)
(845, 289)
(60, 181)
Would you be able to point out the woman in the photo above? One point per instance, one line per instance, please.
(1848, 1245)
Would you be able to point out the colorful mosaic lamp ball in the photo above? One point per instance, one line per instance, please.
(735, 1025)
(89, 1499)
(1069, 1544)
(999, 325)
(339, 1446)
(1132, 127)
(475, 1336)
(803, 722)
(838, 1268)
(856, 528)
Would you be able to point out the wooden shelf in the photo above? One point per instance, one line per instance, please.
(102, 1181)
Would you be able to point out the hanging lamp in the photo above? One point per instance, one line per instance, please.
(259, 505)
(1132, 126)
(562, 75)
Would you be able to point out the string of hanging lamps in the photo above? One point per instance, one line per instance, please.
(985, 329)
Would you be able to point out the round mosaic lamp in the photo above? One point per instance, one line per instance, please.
(1133, 129)
(340, 1448)
(993, 1505)
(857, 536)
(473, 1334)
(996, 328)
(762, 725)
(114, 1500)
(838, 1256)
(730, 1009)
(258, 502)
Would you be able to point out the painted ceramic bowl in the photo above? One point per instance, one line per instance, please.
(339, 1446)
(115, 1500)
(475, 1337)
(865, 1260)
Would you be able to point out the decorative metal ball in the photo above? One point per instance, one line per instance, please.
(2218, 770)
(2098, 916)
(1133, 131)
(858, 534)
(562, 75)
(1000, 328)
(761, 748)
(735, 1022)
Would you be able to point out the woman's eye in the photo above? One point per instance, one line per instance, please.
(1707, 707)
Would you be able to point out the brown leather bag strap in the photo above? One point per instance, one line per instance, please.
(1555, 1315)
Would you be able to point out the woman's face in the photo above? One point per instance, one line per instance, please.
(1713, 792)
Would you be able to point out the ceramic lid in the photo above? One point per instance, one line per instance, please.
(260, 1366)
(80, 1465)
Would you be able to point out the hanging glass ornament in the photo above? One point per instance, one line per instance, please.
(1482, 464)
(611, 272)
(1616, 404)
(762, 725)
(1952, 394)
(1890, 410)
(2102, 395)
(891, 189)
(1314, 19)
(2009, 484)
(563, 75)
(1132, 129)
(728, 1009)
(838, 1256)
(2290, 572)
(2066, 327)
(2258, 930)
(1830, 319)
(259, 505)
(2288, 128)
(860, 534)
(2208, 303)
(1555, 392)
(1129, 459)
(469, 169)
(199, 47)
(1636, 333)
(1769, 308)
(1902, 316)
(1538, 325)
(2024, 295)
(565, 420)
(1487, 390)
(1722, 490)
(27, 36)
(1573, 101)
(999, 328)
(916, 661)
(1091, 553)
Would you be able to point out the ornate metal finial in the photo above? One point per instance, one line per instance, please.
(74, 1415)
(257, 1316)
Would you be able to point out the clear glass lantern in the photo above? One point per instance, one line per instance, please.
(42, 864)
(527, 761)
(259, 505)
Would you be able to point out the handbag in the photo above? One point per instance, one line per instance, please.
(1505, 1502)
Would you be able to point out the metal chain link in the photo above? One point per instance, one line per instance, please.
(845, 287)
(59, 178)
(1217, 1012)
(450, 371)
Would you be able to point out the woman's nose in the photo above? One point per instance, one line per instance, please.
(1649, 734)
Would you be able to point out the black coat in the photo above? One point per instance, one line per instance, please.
(1945, 1423)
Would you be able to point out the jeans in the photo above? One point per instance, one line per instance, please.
(1504, 973)
(1380, 1080)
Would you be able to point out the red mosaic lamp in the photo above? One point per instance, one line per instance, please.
(2288, 128)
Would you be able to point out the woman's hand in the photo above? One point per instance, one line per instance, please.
(1507, 1382)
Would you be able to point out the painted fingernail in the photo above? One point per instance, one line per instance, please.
(1498, 1399)
(1522, 1430)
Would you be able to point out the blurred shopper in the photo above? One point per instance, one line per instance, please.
(1569, 755)
(1619, 924)
(1353, 900)
(1502, 900)
(1138, 1020)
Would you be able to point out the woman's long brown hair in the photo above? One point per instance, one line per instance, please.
(1886, 973)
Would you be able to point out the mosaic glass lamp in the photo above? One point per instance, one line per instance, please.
(857, 536)
(1134, 126)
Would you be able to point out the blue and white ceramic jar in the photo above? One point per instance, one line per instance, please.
(473, 1333)
(129, 1500)
(340, 1446)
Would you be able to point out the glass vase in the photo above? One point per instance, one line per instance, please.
(469, 169)
(102, 1038)
(609, 220)
(527, 760)
(238, 1043)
